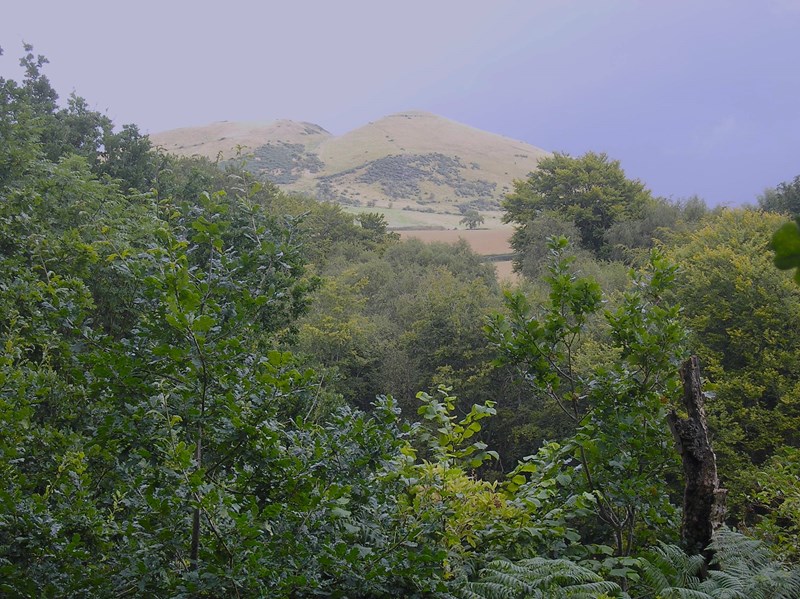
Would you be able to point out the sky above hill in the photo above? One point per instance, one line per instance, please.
(692, 96)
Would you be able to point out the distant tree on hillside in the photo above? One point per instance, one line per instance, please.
(472, 219)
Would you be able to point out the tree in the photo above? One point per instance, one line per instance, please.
(472, 219)
(630, 240)
(778, 497)
(740, 311)
(129, 157)
(784, 199)
(40, 93)
(591, 191)
(155, 440)
(406, 317)
(74, 129)
(531, 246)
(620, 450)
(374, 222)
(703, 498)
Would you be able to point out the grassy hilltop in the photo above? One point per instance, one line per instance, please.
(413, 160)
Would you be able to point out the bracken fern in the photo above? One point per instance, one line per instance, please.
(537, 577)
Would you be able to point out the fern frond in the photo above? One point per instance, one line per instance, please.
(732, 549)
(591, 590)
(489, 590)
(746, 570)
(749, 570)
(682, 593)
(544, 573)
(538, 577)
(723, 585)
(668, 572)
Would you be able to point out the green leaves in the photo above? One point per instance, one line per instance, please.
(743, 313)
(539, 343)
(592, 191)
(620, 443)
(449, 442)
(786, 245)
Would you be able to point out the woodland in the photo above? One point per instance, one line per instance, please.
(212, 388)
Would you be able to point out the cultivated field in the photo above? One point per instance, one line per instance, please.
(400, 220)
(505, 271)
(486, 242)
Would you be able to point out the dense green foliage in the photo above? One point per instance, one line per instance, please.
(210, 388)
(592, 192)
(590, 200)
(621, 446)
(405, 319)
(740, 309)
(783, 199)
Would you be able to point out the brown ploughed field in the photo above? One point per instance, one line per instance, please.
(486, 242)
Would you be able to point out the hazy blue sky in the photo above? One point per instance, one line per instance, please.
(693, 96)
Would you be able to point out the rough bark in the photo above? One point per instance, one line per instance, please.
(703, 499)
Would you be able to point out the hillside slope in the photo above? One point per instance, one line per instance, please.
(226, 138)
(411, 160)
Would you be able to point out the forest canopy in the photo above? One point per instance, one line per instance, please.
(212, 388)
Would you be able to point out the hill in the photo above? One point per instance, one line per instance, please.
(224, 139)
(413, 161)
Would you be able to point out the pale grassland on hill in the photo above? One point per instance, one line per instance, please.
(226, 139)
(410, 219)
(413, 160)
(417, 169)
(422, 133)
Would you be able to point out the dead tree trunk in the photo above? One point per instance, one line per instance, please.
(703, 499)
